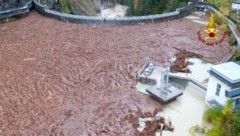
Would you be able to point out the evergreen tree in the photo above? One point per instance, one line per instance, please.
(130, 11)
(223, 122)
(147, 7)
(236, 123)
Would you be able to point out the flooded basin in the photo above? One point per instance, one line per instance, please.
(60, 78)
(185, 112)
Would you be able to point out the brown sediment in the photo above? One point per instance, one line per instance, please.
(152, 126)
(180, 65)
(59, 78)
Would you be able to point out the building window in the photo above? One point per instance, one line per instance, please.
(218, 89)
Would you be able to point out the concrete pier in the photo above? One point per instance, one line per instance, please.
(157, 78)
(164, 96)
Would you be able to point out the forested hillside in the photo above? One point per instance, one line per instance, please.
(147, 7)
(136, 7)
(93, 7)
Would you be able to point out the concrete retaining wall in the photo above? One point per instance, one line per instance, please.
(44, 10)
(16, 10)
(181, 12)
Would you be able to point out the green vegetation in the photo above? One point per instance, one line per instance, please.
(123, 2)
(231, 40)
(136, 7)
(236, 56)
(148, 7)
(219, 122)
(225, 7)
(6, 20)
(204, 62)
(66, 6)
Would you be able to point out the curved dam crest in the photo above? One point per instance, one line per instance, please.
(45, 10)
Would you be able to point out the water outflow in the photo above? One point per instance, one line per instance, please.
(114, 11)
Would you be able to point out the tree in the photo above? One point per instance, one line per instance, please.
(147, 7)
(222, 122)
(236, 123)
(67, 6)
(131, 8)
(136, 4)
(212, 115)
(236, 56)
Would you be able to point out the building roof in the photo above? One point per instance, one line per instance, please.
(235, 6)
(228, 71)
(235, 1)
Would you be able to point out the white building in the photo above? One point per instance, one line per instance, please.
(224, 84)
(235, 5)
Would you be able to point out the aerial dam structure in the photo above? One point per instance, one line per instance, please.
(86, 12)
(11, 8)
(89, 9)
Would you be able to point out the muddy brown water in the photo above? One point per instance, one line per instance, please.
(59, 78)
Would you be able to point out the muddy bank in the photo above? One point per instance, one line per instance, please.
(180, 65)
(59, 78)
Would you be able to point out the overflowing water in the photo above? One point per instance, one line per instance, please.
(185, 112)
(116, 11)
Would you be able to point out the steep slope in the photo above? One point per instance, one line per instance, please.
(87, 7)
(80, 7)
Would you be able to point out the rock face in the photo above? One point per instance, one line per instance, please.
(86, 7)
(80, 7)
(93, 7)
(9, 4)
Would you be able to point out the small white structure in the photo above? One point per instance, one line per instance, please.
(224, 84)
(235, 5)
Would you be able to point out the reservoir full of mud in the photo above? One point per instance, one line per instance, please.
(59, 78)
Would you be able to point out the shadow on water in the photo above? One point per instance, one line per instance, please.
(179, 83)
